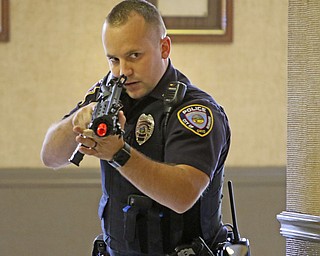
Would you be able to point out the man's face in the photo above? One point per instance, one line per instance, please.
(137, 52)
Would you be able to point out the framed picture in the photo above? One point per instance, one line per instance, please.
(4, 20)
(197, 20)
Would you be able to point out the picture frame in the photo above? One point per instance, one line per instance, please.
(4, 20)
(198, 20)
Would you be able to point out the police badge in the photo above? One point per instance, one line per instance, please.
(144, 128)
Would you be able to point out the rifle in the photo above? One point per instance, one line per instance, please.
(105, 119)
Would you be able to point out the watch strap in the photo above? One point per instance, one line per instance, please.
(121, 157)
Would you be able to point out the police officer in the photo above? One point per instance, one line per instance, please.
(162, 180)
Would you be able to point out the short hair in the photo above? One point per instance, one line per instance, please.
(121, 12)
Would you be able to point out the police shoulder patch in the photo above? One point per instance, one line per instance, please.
(196, 118)
(92, 91)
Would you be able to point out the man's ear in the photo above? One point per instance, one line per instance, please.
(165, 47)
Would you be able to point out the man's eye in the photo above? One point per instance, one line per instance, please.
(134, 55)
(113, 60)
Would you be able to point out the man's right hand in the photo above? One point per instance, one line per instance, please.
(60, 140)
(82, 118)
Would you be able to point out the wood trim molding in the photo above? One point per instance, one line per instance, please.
(47, 178)
(84, 177)
(300, 226)
(4, 22)
(216, 26)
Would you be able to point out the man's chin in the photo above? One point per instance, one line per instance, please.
(135, 94)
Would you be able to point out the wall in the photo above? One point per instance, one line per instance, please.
(55, 54)
(55, 213)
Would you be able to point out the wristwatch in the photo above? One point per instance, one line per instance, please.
(121, 157)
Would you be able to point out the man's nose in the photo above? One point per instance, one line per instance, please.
(126, 68)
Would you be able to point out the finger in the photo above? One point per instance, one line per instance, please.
(95, 145)
(77, 129)
(83, 116)
(87, 151)
(122, 119)
(86, 142)
(88, 133)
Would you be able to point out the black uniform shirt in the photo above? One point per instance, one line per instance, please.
(197, 134)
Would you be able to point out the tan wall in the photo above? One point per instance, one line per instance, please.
(55, 54)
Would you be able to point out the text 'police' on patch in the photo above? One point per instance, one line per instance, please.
(197, 118)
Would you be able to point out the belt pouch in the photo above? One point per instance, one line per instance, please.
(130, 217)
(154, 231)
